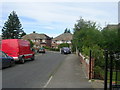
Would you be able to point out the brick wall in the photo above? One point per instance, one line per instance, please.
(86, 66)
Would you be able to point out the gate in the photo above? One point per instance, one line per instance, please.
(112, 70)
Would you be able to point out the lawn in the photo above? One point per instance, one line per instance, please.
(114, 77)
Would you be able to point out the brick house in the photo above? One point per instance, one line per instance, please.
(63, 38)
(39, 40)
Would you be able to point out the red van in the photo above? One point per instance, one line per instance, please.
(18, 49)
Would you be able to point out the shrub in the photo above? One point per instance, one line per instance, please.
(98, 72)
(63, 45)
(51, 49)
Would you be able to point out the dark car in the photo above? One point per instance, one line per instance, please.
(41, 50)
(6, 60)
(65, 50)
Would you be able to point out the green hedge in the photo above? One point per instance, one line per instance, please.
(51, 49)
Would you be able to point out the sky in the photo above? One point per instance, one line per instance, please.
(52, 17)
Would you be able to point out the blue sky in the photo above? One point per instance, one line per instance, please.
(52, 18)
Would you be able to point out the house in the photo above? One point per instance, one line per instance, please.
(111, 26)
(39, 40)
(63, 38)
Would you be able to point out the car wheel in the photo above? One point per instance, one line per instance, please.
(22, 60)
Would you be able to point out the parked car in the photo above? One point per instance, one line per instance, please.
(41, 50)
(5, 60)
(18, 49)
(65, 50)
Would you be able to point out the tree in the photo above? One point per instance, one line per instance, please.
(86, 34)
(67, 30)
(12, 27)
(86, 37)
(23, 34)
(109, 43)
(31, 43)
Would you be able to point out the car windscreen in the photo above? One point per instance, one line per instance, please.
(66, 48)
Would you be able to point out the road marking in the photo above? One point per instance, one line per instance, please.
(48, 82)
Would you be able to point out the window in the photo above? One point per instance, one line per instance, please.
(43, 41)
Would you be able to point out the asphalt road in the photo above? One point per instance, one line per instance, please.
(32, 74)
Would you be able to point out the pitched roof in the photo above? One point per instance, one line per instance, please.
(34, 36)
(64, 36)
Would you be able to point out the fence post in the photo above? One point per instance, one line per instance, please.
(111, 71)
(116, 74)
(90, 66)
(106, 70)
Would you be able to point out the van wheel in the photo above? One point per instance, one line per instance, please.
(33, 58)
(22, 60)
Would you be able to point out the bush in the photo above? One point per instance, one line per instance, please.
(51, 49)
(63, 45)
(98, 72)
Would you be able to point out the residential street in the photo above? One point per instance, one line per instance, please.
(50, 70)
(32, 74)
(60, 44)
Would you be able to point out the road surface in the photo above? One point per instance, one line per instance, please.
(32, 74)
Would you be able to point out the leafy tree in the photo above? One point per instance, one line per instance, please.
(12, 27)
(31, 43)
(110, 39)
(87, 36)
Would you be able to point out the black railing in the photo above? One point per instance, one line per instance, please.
(112, 70)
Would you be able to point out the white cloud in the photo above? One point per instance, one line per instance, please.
(50, 12)
(49, 27)
(52, 35)
(47, 12)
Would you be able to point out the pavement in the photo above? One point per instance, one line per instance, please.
(98, 84)
(69, 75)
